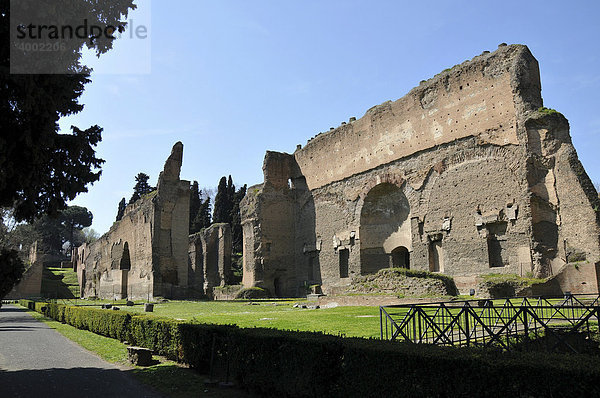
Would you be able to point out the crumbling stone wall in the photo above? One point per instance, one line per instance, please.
(270, 225)
(465, 175)
(210, 259)
(149, 251)
(145, 253)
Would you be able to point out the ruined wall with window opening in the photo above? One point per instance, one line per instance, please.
(464, 175)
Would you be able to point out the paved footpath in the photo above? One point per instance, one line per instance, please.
(37, 361)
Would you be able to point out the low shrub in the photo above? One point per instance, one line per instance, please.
(201, 342)
(286, 364)
(161, 335)
(375, 368)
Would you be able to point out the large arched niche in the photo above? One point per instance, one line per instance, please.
(385, 234)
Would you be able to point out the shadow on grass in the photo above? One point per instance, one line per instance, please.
(175, 381)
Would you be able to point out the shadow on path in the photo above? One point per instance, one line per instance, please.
(76, 382)
(18, 328)
(4, 308)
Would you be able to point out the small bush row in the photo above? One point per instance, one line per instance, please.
(158, 334)
(302, 364)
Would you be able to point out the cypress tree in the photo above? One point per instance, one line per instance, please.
(202, 219)
(121, 210)
(195, 203)
(236, 220)
(230, 192)
(222, 210)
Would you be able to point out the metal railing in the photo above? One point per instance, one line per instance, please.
(505, 323)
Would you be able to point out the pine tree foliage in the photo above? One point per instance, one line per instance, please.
(75, 218)
(141, 187)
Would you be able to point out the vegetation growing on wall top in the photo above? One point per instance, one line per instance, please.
(548, 111)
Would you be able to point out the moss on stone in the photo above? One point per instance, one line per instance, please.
(548, 111)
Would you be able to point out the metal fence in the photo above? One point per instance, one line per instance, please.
(506, 323)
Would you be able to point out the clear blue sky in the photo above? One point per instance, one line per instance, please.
(231, 79)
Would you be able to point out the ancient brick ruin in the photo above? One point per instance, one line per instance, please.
(465, 175)
(30, 285)
(149, 253)
(210, 258)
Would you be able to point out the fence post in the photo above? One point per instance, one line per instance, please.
(381, 322)
(467, 331)
(526, 324)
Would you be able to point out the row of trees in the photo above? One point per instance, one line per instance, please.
(199, 208)
(226, 207)
(55, 234)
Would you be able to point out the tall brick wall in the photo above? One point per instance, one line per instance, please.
(474, 99)
(145, 254)
(463, 176)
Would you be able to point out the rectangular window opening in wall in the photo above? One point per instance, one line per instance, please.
(344, 260)
(496, 252)
(436, 256)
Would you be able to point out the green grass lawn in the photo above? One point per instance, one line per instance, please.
(347, 321)
(60, 282)
(360, 321)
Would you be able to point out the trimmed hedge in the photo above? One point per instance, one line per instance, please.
(161, 335)
(301, 364)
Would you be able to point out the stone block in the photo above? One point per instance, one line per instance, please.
(139, 356)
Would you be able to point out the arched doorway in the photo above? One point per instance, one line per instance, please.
(125, 266)
(385, 234)
(400, 257)
(125, 262)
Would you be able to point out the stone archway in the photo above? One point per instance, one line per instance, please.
(385, 233)
(400, 257)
